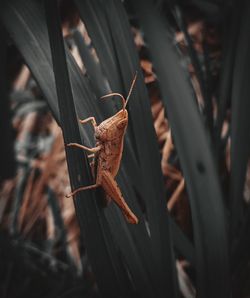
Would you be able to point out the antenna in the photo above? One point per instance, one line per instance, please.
(116, 94)
(131, 88)
(121, 96)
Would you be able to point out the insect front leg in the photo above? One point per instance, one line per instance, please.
(112, 190)
(93, 150)
(90, 119)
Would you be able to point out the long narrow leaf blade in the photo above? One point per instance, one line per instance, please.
(195, 156)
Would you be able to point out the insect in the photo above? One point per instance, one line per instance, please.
(107, 154)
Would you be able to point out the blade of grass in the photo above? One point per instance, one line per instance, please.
(95, 20)
(126, 244)
(7, 159)
(93, 67)
(182, 244)
(208, 112)
(61, 233)
(240, 124)
(202, 182)
(141, 120)
(114, 281)
(139, 235)
(231, 31)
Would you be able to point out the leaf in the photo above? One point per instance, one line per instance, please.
(208, 112)
(93, 67)
(119, 60)
(7, 158)
(231, 31)
(116, 281)
(194, 151)
(240, 124)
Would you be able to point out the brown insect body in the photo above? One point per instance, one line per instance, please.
(111, 141)
(108, 153)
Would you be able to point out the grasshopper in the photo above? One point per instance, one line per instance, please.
(107, 154)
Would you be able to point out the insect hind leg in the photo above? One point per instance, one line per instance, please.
(112, 190)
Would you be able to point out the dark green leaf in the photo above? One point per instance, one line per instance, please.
(194, 151)
(240, 125)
